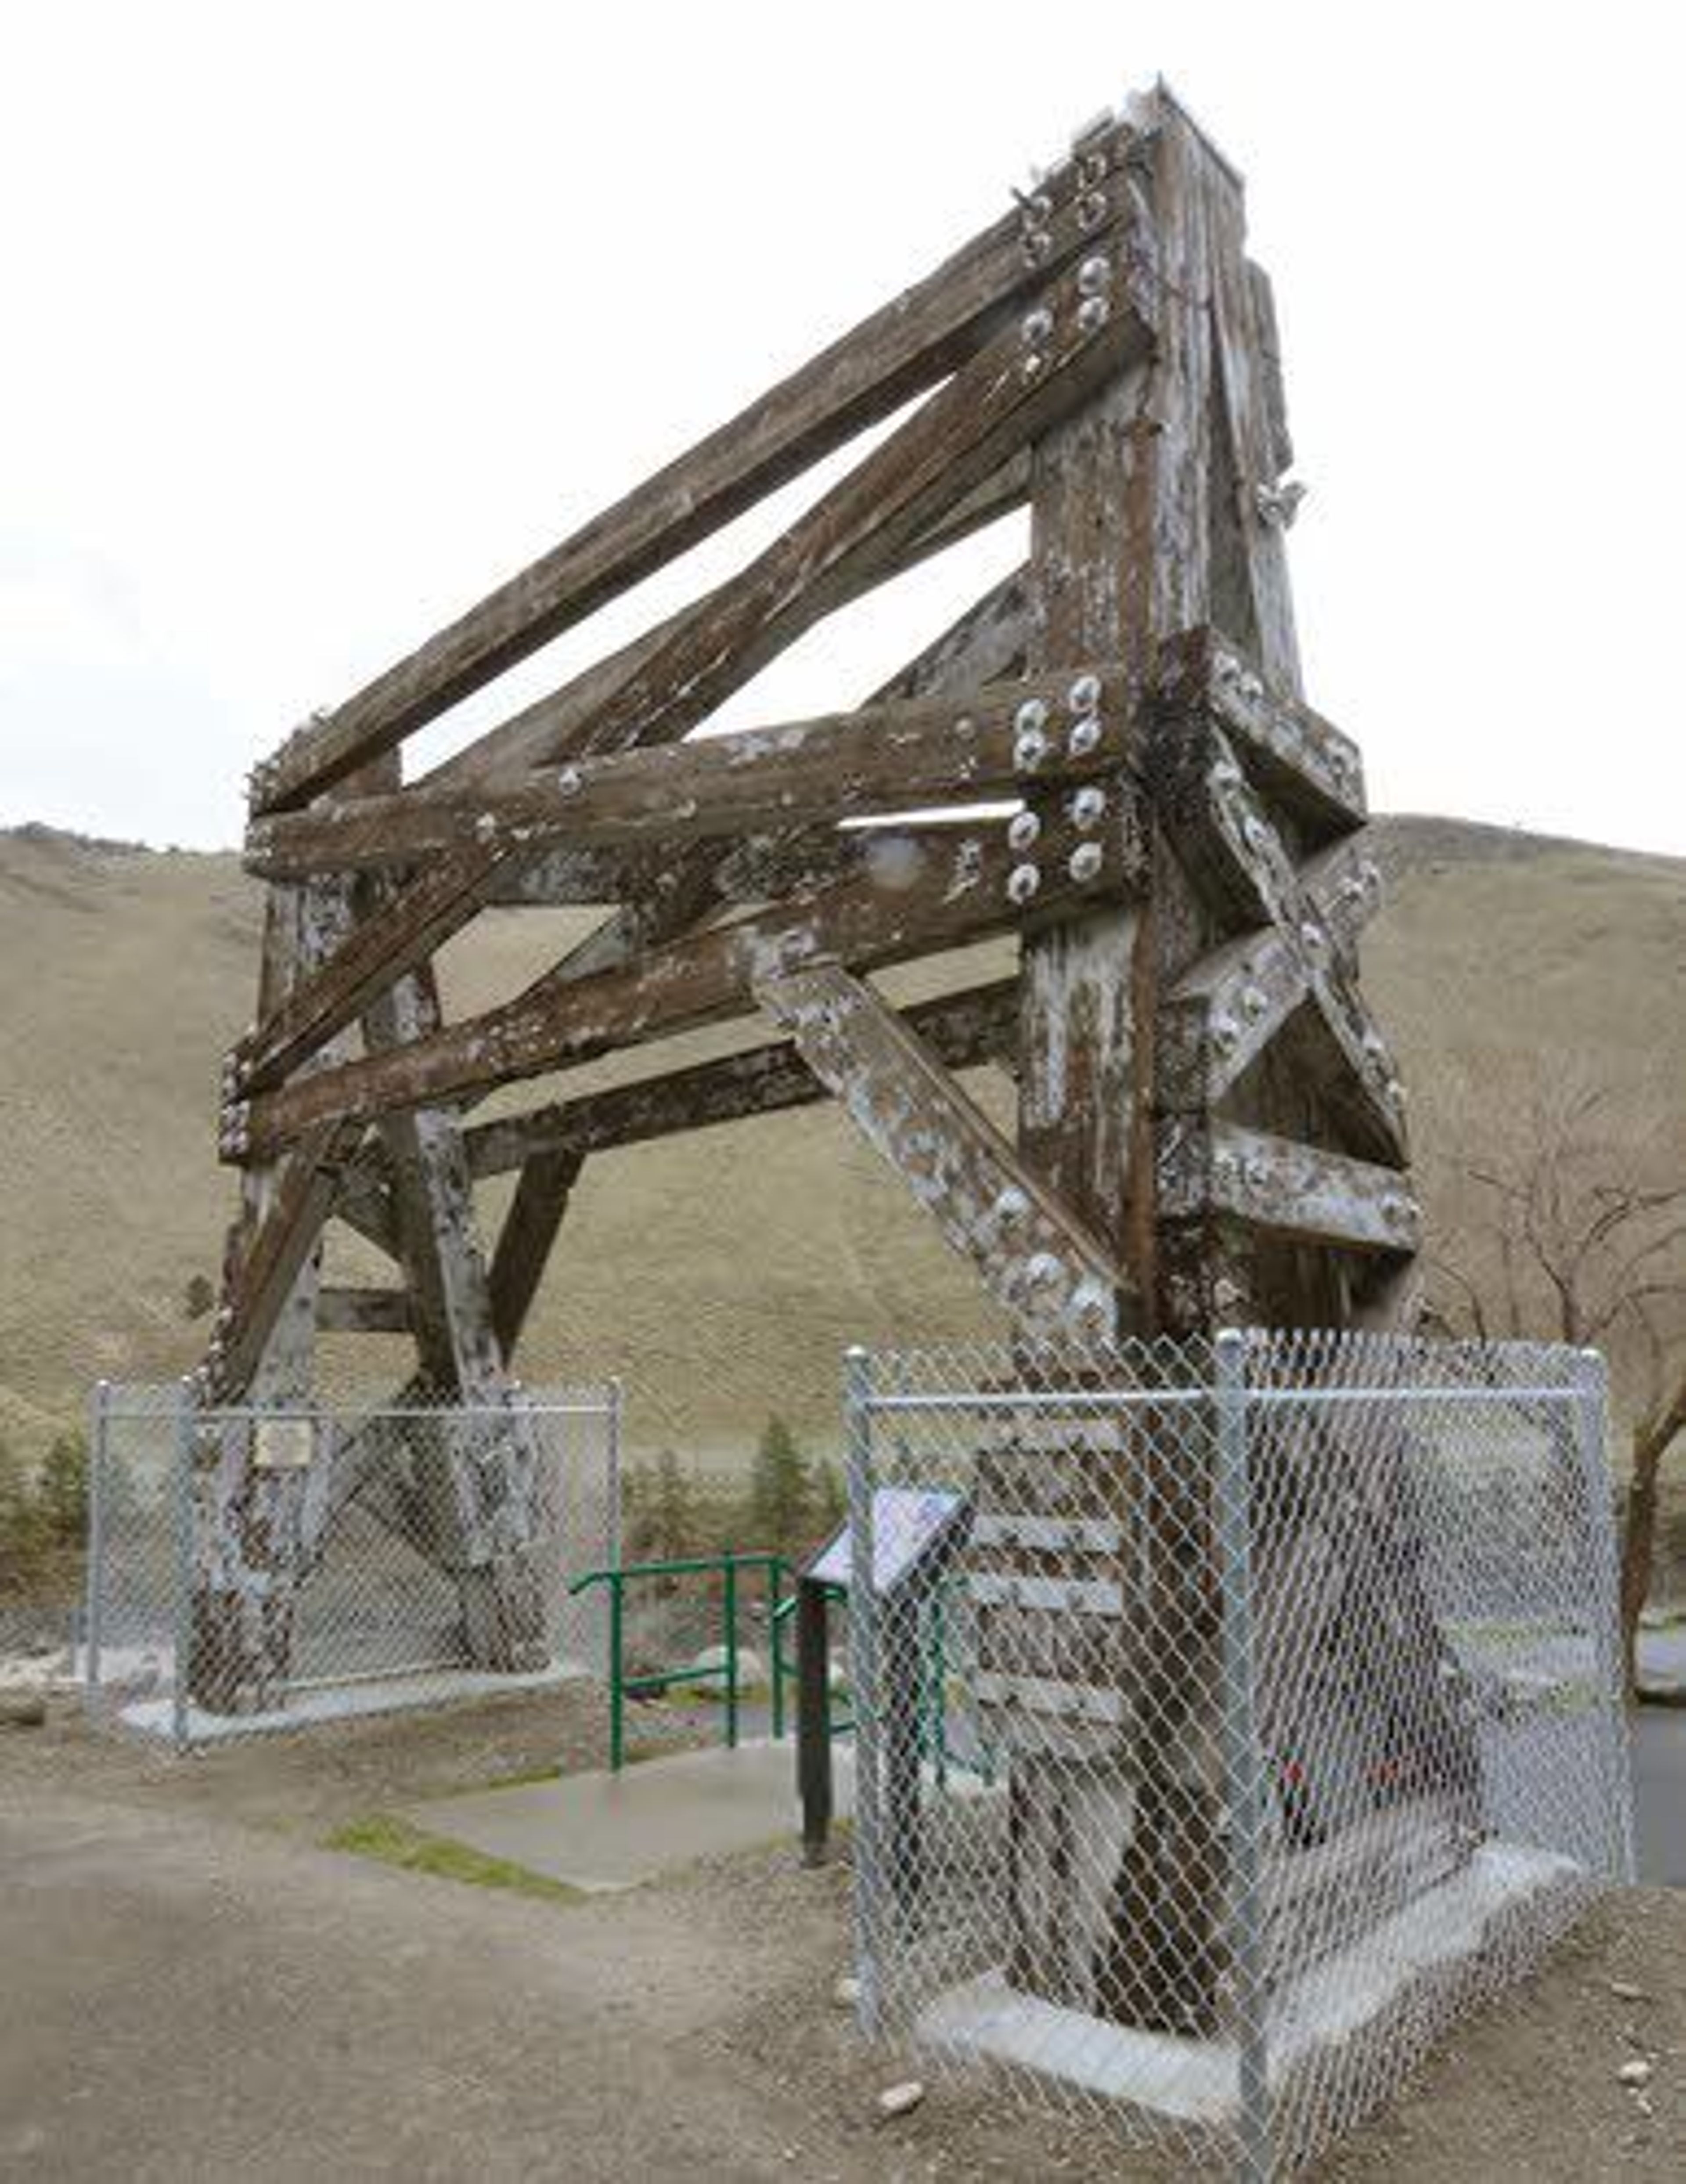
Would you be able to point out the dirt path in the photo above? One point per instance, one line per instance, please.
(193, 1988)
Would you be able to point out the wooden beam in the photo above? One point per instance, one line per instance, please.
(962, 1030)
(983, 644)
(529, 1230)
(363, 1312)
(277, 1248)
(954, 440)
(555, 723)
(867, 375)
(1297, 758)
(898, 906)
(1034, 1259)
(840, 765)
(1296, 1192)
(1225, 1013)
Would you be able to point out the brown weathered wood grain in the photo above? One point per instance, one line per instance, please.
(962, 1029)
(866, 375)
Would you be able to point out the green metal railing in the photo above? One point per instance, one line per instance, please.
(726, 1568)
(781, 1606)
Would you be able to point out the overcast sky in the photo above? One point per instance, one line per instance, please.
(322, 319)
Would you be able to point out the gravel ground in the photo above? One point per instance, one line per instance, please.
(194, 1988)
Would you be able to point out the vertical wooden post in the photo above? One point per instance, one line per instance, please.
(248, 1524)
(482, 1514)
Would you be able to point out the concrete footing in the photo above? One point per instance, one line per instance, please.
(1432, 1958)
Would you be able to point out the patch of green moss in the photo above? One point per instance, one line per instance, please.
(397, 1841)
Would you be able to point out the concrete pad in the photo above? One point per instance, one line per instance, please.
(310, 1704)
(1432, 1941)
(606, 1831)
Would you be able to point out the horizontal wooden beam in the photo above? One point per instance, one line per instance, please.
(980, 646)
(962, 1030)
(995, 742)
(867, 375)
(899, 906)
(1297, 1192)
(1297, 757)
(363, 1312)
(1032, 1256)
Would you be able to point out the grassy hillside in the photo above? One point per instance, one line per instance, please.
(722, 1274)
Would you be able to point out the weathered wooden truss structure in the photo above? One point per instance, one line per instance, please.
(1211, 1128)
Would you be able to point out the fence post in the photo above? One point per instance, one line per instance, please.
(616, 1395)
(182, 1506)
(863, 1675)
(617, 1695)
(1241, 1760)
(93, 1612)
(776, 1576)
(731, 1603)
(1590, 1399)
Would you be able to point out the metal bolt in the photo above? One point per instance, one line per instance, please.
(1022, 830)
(1094, 275)
(1032, 714)
(1092, 170)
(1088, 807)
(1037, 211)
(1032, 363)
(1030, 750)
(1084, 694)
(1036, 246)
(1084, 737)
(1036, 325)
(1091, 210)
(1254, 1002)
(1312, 934)
(1278, 504)
(1092, 314)
(1226, 774)
(1252, 688)
(1022, 882)
(486, 826)
(1085, 861)
(1090, 1310)
(1042, 1269)
(1257, 833)
(1011, 1207)
(1226, 1034)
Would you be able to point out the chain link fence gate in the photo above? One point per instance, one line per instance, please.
(370, 1603)
(1231, 1715)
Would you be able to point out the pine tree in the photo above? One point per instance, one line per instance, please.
(62, 1496)
(781, 1491)
(831, 1503)
(673, 1516)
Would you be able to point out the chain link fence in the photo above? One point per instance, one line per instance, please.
(253, 1570)
(1231, 1715)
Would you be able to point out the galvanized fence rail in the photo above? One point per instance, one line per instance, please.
(1279, 1716)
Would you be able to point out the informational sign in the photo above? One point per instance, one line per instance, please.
(909, 1524)
(283, 1444)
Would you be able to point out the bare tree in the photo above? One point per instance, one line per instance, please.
(1567, 1237)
